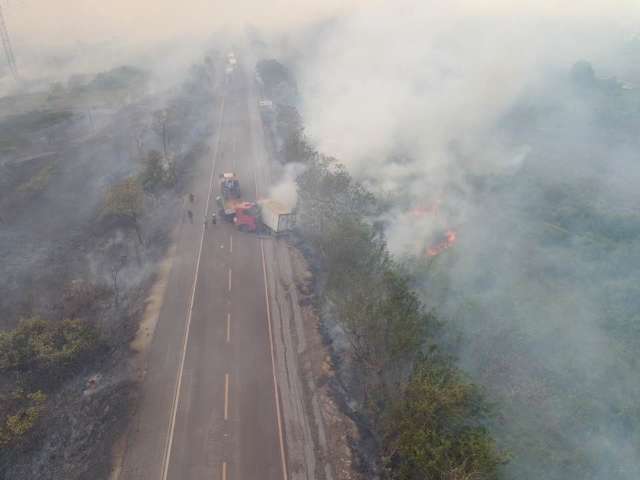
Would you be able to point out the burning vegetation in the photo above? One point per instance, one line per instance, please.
(450, 237)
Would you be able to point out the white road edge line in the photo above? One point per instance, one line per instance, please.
(176, 395)
(228, 327)
(230, 243)
(226, 396)
(230, 272)
(285, 475)
(224, 470)
(273, 366)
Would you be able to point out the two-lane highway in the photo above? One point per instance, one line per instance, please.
(209, 407)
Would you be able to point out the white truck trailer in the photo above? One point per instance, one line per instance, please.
(275, 216)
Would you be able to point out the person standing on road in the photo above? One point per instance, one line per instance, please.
(192, 197)
(214, 218)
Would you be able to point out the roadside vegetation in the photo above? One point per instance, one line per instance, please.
(87, 202)
(35, 358)
(537, 302)
(422, 416)
(428, 420)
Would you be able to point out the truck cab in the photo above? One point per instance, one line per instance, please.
(246, 216)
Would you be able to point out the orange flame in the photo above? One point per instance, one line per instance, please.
(448, 242)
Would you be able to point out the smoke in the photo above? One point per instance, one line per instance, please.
(286, 190)
(463, 115)
(57, 39)
(470, 117)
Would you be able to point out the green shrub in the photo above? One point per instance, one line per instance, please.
(125, 200)
(437, 430)
(37, 344)
(157, 174)
(21, 413)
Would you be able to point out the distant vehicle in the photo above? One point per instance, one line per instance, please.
(275, 216)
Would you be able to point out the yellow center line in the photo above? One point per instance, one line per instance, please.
(226, 396)
(228, 327)
(166, 459)
(224, 470)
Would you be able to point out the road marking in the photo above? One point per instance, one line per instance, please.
(285, 475)
(228, 327)
(230, 279)
(230, 243)
(176, 395)
(233, 151)
(273, 365)
(226, 396)
(224, 470)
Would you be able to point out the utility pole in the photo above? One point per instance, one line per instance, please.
(8, 48)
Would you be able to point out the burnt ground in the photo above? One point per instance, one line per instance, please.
(58, 253)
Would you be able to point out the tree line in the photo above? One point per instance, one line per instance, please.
(428, 420)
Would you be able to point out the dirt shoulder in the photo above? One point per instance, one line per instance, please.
(318, 434)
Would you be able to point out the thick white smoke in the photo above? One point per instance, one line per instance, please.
(415, 98)
(400, 89)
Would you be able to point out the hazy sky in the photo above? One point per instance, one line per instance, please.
(66, 21)
(62, 21)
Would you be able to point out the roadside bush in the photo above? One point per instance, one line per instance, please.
(41, 345)
(124, 202)
(157, 174)
(20, 413)
(436, 431)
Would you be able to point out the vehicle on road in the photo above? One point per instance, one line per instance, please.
(264, 216)
(231, 206)
(230, 185)
(275, 216)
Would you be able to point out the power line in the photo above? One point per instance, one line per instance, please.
(8, 48)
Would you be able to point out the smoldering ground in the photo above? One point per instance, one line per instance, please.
(479, 117)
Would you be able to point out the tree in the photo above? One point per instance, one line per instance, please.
(157, 173)
(437, 432)
(125, 201)
(327, 193)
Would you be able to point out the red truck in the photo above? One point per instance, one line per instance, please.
(231, 206)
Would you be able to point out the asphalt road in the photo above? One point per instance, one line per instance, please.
(209, 405)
